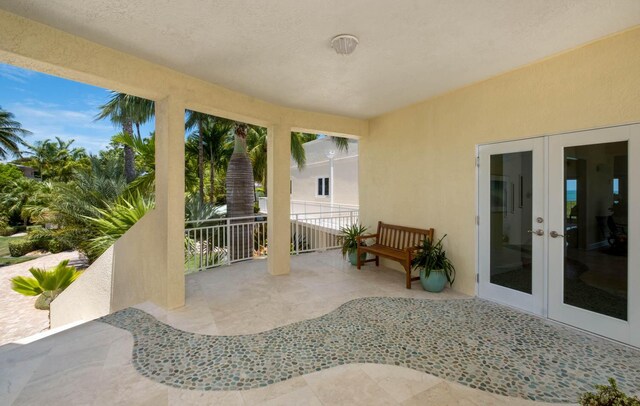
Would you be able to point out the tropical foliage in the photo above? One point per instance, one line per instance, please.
(45, 284)
(9, 173)
(349, 237)
(11, 135)
(86, 202)
(125, 111)
(607, 395)
(56, 160)
(116, 219)
(432, 257)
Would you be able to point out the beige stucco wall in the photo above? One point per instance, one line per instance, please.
(417, 164)
(88, 297)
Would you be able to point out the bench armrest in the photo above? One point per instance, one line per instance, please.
(365, 237)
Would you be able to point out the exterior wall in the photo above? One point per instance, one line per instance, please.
(88, 297)
(304, 184)
(27, 171)
(418, 162)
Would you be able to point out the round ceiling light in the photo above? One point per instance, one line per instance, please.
(344, 44)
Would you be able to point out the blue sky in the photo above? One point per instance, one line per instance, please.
(50, 106)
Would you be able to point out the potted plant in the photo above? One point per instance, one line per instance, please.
(350, 242)
(434, 266)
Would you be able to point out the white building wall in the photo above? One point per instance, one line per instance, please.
(304, 183)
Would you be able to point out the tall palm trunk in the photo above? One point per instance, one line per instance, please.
(201, 158)
(129, 156)
(212, 178)
(240, 196)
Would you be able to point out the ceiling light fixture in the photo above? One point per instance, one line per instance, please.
(344, 44)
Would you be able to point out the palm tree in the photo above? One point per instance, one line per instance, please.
(11, 133)
(46, 284)
(215, 147)
(57, 160)
(145, 150)
(198, 120)
(126, 110)
(257, 143)
(240, 194)
(341, 143)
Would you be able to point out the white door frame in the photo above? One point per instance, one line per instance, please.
(534, 302)
(620, 330)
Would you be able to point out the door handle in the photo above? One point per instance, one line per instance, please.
(537, 232)
(555, 234)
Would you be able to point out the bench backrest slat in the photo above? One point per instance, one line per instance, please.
(401, 237)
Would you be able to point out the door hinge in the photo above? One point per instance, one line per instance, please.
(477, 278)
(478, 161)
(477, 220)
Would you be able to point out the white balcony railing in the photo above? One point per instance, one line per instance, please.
(216, 242)
(307, 206)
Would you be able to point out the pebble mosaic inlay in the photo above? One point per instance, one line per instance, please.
(470, 341)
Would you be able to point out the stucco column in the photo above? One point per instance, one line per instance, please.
(278, 175)
(170, 195)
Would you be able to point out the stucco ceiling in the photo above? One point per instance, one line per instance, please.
(278, 50)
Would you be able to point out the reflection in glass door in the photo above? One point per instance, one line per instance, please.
(596, 240)
(593, 268)
(512, 224)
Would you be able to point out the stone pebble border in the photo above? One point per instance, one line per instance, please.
(473, 342)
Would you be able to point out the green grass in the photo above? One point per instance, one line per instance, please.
(5, 256)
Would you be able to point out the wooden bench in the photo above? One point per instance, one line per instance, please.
(396, 243)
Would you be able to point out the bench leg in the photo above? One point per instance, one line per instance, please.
(377, 260)
(408, 273)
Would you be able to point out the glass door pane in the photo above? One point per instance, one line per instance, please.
(595, 227)
(511, 213)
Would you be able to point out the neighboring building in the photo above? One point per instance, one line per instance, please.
(27, 171)
(316, 183)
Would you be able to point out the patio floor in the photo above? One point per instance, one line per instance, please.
(370, 342)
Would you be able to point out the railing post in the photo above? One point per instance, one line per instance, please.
(229, 240)
(297, 233)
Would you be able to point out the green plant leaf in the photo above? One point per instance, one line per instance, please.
(55, 280)
(26, 286)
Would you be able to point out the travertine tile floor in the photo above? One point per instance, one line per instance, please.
(91, 363)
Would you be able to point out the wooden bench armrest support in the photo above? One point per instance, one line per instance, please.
(366, 236)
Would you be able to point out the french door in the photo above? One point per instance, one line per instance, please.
(512, 223)
(559, 227)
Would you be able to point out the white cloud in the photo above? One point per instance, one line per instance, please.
(47, 121)
(15, 74)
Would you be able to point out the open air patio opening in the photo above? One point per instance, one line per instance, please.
(536, 78)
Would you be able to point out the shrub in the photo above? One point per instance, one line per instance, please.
(21, 247)
(608, 395)
(7, 231)
(54, 246)
(45, 284)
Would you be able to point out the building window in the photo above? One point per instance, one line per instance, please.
(323, 186)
